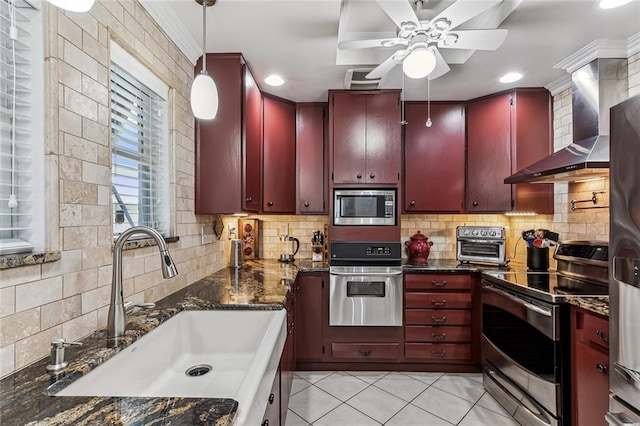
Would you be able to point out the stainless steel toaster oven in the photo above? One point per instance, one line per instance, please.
(483, 244)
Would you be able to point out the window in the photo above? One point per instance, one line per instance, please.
(21, 129)
(139, 146)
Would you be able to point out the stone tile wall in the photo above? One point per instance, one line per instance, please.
(69, 298)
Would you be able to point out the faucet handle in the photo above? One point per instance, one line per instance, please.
(57, 361)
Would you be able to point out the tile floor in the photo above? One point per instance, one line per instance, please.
(358, 398)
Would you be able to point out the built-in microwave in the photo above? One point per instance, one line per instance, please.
(364, 207)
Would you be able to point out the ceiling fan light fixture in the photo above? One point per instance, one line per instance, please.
(611, 4)
(419, 64)
(510, 77)
(73, 5)
(449, 40)
(274, 80)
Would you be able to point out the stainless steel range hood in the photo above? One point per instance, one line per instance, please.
(597, 87)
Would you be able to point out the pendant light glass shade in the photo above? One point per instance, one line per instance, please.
(204, 97)
(420, 63)
(73, 5)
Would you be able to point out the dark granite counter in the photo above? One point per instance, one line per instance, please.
(24, 399)
(598, 305)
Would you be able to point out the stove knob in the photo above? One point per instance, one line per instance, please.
(484, 233)
(493, 233)
(474, 232)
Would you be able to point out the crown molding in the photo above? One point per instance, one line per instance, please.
(561, 84)
(177, 32)
(594, 50)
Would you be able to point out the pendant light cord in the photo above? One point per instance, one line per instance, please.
(204, 36)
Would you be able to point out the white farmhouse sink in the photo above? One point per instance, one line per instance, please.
(242, 347)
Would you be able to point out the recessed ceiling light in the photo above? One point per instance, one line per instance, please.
(511, 77)
(274, 80)
(610, 4)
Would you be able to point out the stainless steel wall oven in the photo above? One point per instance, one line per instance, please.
(365, 284)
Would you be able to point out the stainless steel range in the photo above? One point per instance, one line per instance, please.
(365, 284)
(526, 332)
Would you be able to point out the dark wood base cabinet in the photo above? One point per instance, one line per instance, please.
(441, 330)
(589, 367)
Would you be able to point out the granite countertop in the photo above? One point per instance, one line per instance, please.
(261, 284)
(598, 305)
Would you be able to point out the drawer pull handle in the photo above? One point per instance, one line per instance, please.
(438, 302)
(439, 336)
(440, 354)
(439, 283)
(364, 353)
(601, 368)
(602, 337)
(441, 319)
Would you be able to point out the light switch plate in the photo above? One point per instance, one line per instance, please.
(207, 234)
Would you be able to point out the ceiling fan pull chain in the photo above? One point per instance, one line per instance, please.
(403, 121)
(428, 123)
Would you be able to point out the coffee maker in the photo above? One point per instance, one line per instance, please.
(317, 247)
(290, 247)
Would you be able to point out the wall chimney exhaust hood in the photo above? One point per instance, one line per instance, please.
(597, 87)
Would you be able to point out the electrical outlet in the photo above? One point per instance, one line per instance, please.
(207, 234)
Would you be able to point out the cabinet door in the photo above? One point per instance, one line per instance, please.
(434, 158)
(287, 360)
(309, 342)
(252, 185)
(383, 131)
(218, 151)
(592, 385)
(279, 154)
(349, 132)
(310, 158)
(488, 154)
(272, 412)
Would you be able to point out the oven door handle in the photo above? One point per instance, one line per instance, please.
(367, 274)
(475, 240)
(514, 299)
(617, 419)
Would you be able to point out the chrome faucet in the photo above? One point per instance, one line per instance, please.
(116, 321)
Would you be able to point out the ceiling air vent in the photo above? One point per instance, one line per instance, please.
(355, 79)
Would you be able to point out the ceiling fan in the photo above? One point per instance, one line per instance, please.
(421, 39)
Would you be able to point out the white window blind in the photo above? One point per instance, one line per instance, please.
(139, 149)
(21, 153)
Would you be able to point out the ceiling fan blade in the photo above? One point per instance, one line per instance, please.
(441, 66)
(400, 11)
(365, 44)
(386, 66)
(463, 10)
(475, 39)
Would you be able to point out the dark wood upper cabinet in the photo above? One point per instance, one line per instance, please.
(279, 156)
(218, 168)
(506, 132)
(365, 137)
(252, 183)
(434, 158)
(310, 158)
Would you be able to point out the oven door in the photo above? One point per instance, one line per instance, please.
(365, 296)
(521, 343)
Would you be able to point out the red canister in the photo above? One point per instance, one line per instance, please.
(418, 247)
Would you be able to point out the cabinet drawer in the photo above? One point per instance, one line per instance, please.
(437, 317)
(595, 329)
(365, 350)
(438, 300)
(438, 352)
(416, 333)
(437, 282)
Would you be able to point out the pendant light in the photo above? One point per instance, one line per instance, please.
(73, 5)
(204, 93)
